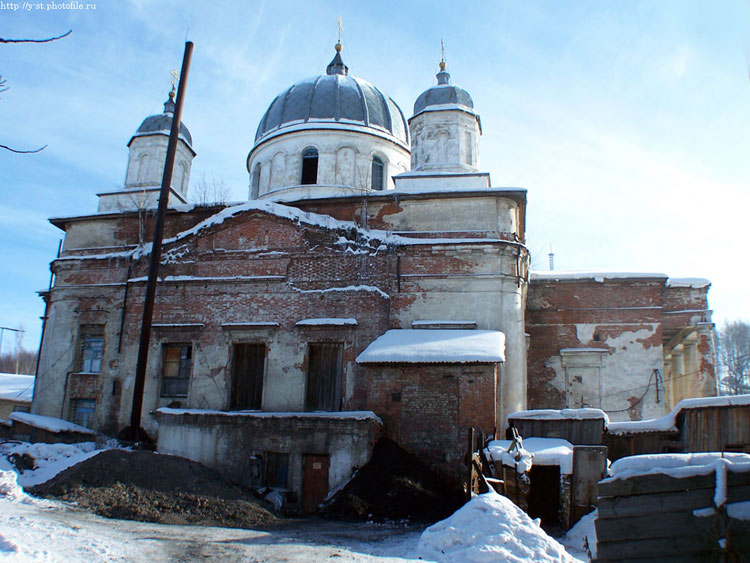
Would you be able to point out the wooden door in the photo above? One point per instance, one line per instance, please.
(324, 373)
(248, 363)
(314, 481)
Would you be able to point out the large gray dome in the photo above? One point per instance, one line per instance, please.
(443, 94)
(334, 98)
(162, 123)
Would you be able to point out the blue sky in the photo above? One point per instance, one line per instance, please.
(628, 122)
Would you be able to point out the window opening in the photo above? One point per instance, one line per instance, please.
(309, 167)
(377, 174)
(176, 370)
(83, 411)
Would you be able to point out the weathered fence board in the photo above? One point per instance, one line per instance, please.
(656, 502)
(644, 484)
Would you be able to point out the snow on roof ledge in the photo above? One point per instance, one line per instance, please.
(332, 321)
(695, 283)
(338, 415)
(50, 424)
(669, 422)
(563, 414)
(542, 275)
(435, 346)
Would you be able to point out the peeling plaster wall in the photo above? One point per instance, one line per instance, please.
(609, 336)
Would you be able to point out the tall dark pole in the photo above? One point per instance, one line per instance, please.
(134, 431)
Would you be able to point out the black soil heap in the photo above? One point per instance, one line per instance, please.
(394, 485)
(142, 485)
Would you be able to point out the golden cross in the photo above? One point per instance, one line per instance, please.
(442, 50)
(175, 76)
(341, 27)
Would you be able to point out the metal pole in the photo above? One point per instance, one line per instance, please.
(134, 431)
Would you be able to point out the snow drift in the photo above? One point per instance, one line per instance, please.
(489, 528)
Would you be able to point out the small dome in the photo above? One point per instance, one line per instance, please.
(334, 98)
(162, 123)
(444, 93)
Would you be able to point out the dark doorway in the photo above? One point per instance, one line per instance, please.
(544, 494)
(314, 482)
(324, 372)
(248, 361)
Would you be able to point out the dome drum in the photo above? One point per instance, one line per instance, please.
(343, 164)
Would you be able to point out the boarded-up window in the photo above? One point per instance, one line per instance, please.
(178, 359)
(91, 349)
(324, 372)
(248, 361)
(277, 470)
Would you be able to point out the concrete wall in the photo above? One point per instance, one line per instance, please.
(236, 444)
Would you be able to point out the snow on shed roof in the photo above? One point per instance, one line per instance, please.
(544, 451)
(15, 387)
(675, 465)
(425, 346)
(669, 421)
(562, 414)
(48, 423)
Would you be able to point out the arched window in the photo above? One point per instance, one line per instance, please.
(309, 167)
(255, 184)
(377, 173)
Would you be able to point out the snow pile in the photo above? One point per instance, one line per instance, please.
(49, 423)
(541, 451)
(581, 538)
(423, 346)
(9, 487)
(489, 528)
(15, 387)
(48, 459)
(669, 421)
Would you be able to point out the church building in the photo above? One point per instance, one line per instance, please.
(375, 283)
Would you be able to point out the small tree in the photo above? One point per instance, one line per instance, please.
(734, 357)
(206, 191)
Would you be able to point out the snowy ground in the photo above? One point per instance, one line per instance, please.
(40, 530)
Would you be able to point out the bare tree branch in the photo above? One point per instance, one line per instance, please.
(7, 148)
(36, 40)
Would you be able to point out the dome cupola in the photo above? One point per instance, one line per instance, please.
(335, 131)
(335, 99)
(443, 95)
(146, 158)
(445, 129)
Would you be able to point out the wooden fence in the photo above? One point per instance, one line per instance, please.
(652, 518)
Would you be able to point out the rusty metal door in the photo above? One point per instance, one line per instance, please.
(248, 364)
(314, 481)
(324, 373)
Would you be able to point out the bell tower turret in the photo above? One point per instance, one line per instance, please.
(148, 152)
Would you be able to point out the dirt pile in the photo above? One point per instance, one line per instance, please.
(142, 485)
(394, 485)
